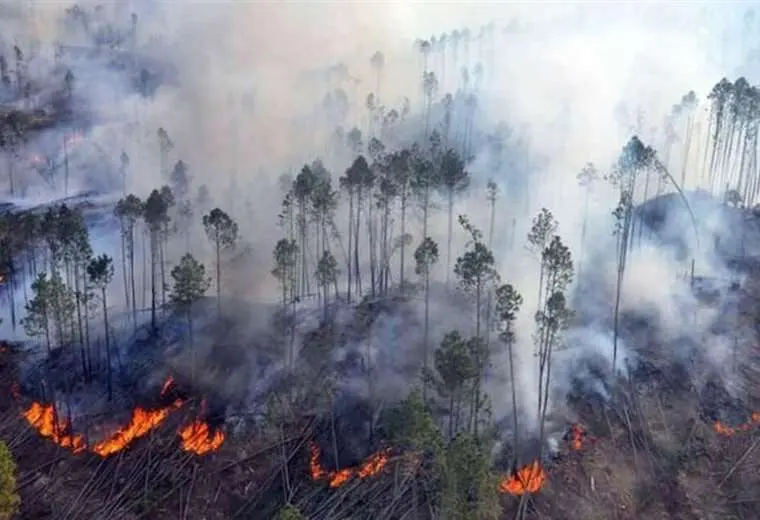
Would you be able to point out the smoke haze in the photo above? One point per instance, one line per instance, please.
(241, 97)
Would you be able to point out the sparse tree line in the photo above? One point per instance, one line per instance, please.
(718, 140)
(367, 260)
(70, 285)
(370, 253)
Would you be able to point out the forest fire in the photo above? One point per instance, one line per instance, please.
(528, 479)
(577, 437)
(142, 422)
(371, 466)
(725, 430)
(43, 418)
(197, 438)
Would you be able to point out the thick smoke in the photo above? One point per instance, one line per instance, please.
(239, 87)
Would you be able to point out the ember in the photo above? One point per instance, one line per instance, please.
(528, 479)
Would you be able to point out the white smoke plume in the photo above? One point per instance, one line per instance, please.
(242, 83)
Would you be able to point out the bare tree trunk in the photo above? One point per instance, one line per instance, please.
(426, 347)
(372, 250)
(144, 252)
(357, 272)
(350, 240)
(65, 166)
(124, 262)
(77, 301)
(218, 277)
(153, 254)
(403, 243)
(450, 233)
(510, 352)
(131, 246)
(162, 259)
(108, 343)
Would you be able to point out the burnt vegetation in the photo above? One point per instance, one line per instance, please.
(394, 357)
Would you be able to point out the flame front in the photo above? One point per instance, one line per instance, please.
(197, 438)
(141, 423)
(528, 479)
(371, 466)
(725, 430)
(42, 418)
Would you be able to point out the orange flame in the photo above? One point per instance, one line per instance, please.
(197, 438)
(578, 437)
(725, 430)
(43, 418)
(528, 479)
(371, 466)
(142, 422)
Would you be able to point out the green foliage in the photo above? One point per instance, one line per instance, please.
(425, 256)
(358, 176)
(544, 226)
(454, 363)
(327, 270)
(220, 229)
(285, 261)
(475, 234)
(475, 267)
(190, 283)
(558, 266)
(180, 180)
(9, 499)
(155, 211)
(37, 320)
(469, 488)
(130, 208)
(411, 426)
(453, 176)
(52, 304)
(324, 200)
(508, 303)
(100, 271)
(290, 512)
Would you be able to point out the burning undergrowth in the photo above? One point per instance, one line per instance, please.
(53, 422)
